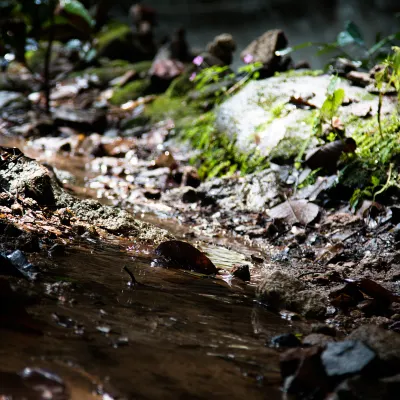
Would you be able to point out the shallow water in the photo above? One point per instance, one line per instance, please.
(174, 336)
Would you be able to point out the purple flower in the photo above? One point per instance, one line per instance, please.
(192, 77)
(248, 58)
(198, 60)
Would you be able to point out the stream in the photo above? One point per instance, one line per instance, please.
(174, 335)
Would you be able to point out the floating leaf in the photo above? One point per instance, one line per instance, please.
(295, 211)
(177, 254)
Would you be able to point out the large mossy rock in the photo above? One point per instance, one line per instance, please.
(263, 113)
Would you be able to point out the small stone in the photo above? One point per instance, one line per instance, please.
(285, 340)
(324, 329)
(282, 291)
(317, 339)
(304, 373)
(152, 194)
(385, 343)
(347, 358)
(190, 196)
(17, 209)
(56, 250)
(242, 272)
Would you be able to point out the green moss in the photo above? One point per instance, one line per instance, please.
(266, 102)
(368, 173)
(219, 155)
(299, 72)
(287, 149)
(114, 69)
(130, 91)
(277, 110)
(177, 108)
(180, 86)
(114, 31)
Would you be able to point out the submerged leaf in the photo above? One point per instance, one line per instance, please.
(295, 211)
(177, 254)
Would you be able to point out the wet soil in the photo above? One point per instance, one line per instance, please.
(178, 334)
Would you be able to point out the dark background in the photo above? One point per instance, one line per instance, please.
(302, 21)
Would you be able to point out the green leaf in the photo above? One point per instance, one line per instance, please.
(332, 84)
(75, 7)
(374, 180)
(289, 50)
(350, 35)
(376, 47)
(332, 104)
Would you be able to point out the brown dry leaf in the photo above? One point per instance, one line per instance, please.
(376, 291)
(295, 211)
(177, 254)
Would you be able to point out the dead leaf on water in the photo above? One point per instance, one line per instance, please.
(177, 254)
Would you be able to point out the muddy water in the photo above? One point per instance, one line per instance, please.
(174, 336)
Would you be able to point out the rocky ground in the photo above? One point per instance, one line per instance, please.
(112, 155)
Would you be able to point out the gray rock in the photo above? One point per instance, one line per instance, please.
(27, 178)
(281, 291)
(7, 99)
(385, 343)
(261, 114)
(254, 192)
(317, 339)
(349, 357)
(90, 120)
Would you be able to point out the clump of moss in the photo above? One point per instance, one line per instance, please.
(176, 108)
(371, 173)
(130, 91)
(219, 155)
(287, 149)
(114, 69)
(180, 86)
(300, 72)
(114, 31)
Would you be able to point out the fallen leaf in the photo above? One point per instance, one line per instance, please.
(177, 254)
(295, 211)
(376, 291)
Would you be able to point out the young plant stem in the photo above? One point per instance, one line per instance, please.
(47, 61)
(379, 114)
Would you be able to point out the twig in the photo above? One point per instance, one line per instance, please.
(47, 61)
(133, 279)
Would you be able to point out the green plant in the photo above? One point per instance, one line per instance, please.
(218, 154)
(226, 82)
(387, 77)
(27, 21)
(350, 43)
(330, 106)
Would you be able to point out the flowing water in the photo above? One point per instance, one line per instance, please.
(174, 336)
